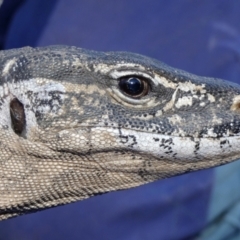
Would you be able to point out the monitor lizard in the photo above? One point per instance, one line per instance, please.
(75, 123)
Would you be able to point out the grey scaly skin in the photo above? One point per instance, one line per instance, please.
(70, 128)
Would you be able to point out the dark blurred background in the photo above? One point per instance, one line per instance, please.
(202, 37)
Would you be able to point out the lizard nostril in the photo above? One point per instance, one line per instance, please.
(17, 116)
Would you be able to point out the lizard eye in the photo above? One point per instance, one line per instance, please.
(134, 87)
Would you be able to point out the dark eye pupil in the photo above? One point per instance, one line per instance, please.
(131, 85)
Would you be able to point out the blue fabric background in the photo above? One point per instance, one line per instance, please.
(198, 36)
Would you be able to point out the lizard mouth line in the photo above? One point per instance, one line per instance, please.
(193, 136)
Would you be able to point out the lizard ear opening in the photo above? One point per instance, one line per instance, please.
(236, 104)
(17, 116)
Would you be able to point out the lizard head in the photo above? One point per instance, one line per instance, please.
(75, 123)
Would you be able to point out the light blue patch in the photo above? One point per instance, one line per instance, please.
(224, 208)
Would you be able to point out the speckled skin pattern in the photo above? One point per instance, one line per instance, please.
(83, 136)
